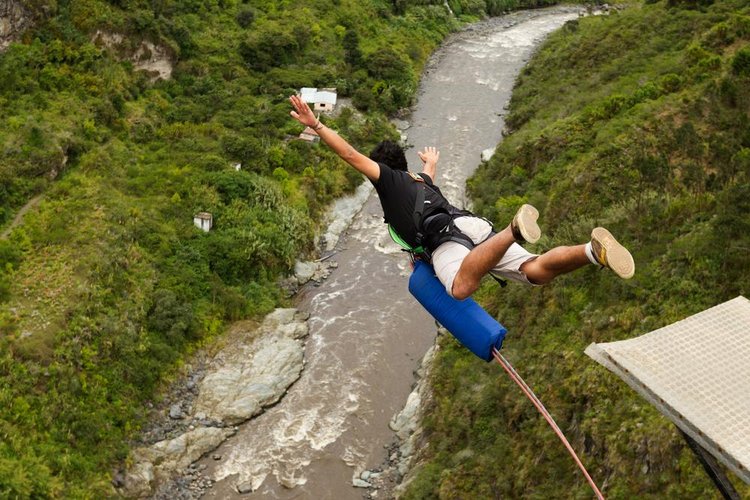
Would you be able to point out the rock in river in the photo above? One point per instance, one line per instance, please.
(248, 377)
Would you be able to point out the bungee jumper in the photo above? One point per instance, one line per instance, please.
(460, 246)
(453, 249)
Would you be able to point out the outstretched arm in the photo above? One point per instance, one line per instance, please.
(303, 114)
(429, 157)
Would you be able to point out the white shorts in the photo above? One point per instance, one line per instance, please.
(447, 258)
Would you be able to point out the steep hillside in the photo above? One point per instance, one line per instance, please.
(119, 121)
(638, 121)
(106, 284)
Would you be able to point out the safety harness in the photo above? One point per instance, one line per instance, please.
(435, 229)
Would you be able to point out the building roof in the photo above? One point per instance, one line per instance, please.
(312, 94)
(309, 135)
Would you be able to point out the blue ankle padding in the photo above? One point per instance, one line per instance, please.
(472, 326)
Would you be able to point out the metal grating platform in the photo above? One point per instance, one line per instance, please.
(697, 373)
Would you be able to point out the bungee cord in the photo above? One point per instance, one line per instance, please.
(539, 406)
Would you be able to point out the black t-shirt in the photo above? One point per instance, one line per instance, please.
(397, 191)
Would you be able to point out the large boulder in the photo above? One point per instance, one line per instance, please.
(249, 376)
(162, 459)
(155, 59)
(253, 371)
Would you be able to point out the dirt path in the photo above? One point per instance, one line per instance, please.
(19, 216)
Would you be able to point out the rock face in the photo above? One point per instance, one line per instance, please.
(248, 377)
(253, 371)
(156, 60)
(14, 20)
(164, 457)
(407, 424)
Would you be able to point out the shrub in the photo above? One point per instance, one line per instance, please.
(170, 317)
(670, 83)
(741, 62)
(245, 17)
(387, 64)
(271, 45)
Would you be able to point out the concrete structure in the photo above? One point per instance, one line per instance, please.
(320, 99)
(309, 135)
(696, 372)
(203, 221)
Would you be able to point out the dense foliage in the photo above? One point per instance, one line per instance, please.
(638, 121)
(106, 285)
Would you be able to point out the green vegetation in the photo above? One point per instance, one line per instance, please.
(638, 121)
(107, 286)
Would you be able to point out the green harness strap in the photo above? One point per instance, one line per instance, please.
(400, 242)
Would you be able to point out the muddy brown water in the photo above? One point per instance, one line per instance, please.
(367, 334)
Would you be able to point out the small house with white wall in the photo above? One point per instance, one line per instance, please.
(203, 221)
(320, 99)
(309, 135)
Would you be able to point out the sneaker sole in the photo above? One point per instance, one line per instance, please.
(619, 259)
(526, 220)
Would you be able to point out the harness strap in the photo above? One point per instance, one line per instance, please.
(418, 211)
(403, 244)
(453, 233)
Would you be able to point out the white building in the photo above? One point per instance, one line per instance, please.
(321, 99)
(309, 135)
(203, 221)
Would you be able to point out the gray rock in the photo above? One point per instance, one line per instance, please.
(487, 154)
(407, 420)
(304, 271)
(14, 19)
(138, 480)
(161, 460)
(401, 124)
(359, 483)
(245, 378)
(315, 271)
(403, 468)
(244, 488)
(175, 412)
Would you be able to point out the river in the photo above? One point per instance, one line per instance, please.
(367, 334)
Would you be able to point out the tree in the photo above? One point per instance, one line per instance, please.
(269, 46)
(387, 64)
(352, 54)
(245, 17)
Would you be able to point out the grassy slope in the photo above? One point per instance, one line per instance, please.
(639, 121)
(107, 285)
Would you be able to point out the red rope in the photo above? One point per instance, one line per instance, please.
(539, 406)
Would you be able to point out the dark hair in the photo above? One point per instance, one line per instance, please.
(391, 154)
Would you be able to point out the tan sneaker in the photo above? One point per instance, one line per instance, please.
(524, 224)
(612, 254)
